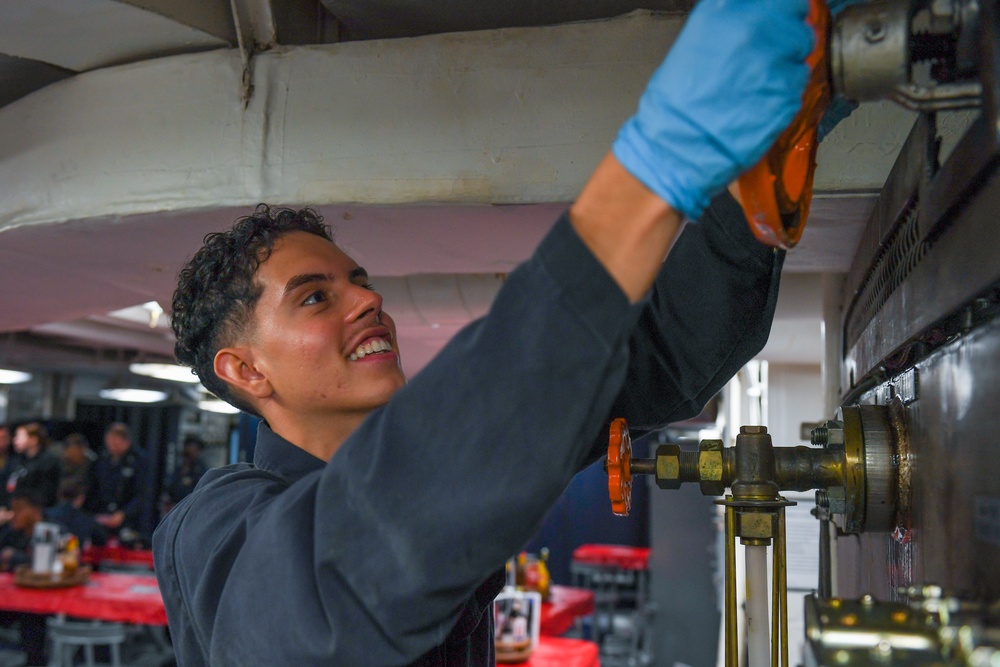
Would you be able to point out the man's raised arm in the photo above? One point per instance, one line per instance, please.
(729, 86)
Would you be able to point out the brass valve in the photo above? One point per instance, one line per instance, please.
(861, 466)
(861, 463)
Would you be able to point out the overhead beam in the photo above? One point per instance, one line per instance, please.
(500, 117)
(84, 35)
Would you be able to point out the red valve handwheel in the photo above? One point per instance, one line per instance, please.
(777, 191)
(620, 467)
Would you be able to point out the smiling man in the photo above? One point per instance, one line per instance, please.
(372, 527)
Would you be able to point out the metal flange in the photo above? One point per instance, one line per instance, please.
(875, 455)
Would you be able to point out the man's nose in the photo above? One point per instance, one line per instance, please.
(364, 302)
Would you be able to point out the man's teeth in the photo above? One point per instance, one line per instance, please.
(372, 347)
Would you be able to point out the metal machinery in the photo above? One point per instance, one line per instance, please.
(909, 469)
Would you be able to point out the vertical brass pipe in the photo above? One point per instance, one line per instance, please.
(779, 556)
(732, 641)
(775, 593)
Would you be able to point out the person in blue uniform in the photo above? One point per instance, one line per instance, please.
(69, 513)
(182, 481)
(6, 463)
(34, 465)
(373, 525)
(118, 484)
(26, 510)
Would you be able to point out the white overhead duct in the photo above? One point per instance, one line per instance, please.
(504, 116)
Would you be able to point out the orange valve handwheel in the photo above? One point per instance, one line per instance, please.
(777, 191)
(620, 467)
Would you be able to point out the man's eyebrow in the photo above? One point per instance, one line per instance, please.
(305, 278)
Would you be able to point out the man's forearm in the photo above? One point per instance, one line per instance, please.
(627, 227)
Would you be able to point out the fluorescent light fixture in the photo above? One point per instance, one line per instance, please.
(165, 372)
(149, 313)
(133, 395)
(8, 376)
(216, 405)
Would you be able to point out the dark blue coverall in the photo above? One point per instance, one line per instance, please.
(120, 486)
(384, 556)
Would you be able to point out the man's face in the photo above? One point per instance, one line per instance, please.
(25, 515)
(192, 452)
(22, 441)
(74, 455)
(116, 444)
(319, 334)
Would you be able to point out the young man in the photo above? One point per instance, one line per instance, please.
(366, 530)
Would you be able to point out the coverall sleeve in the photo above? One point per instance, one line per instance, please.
(709, 312)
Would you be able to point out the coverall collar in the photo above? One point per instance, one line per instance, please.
(275, 454)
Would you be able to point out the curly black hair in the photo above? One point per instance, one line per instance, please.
(216, 290)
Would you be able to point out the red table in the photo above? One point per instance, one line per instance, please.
(564, 606)
(561, 652)
(121, 555)
(612, 555)
(122, 598)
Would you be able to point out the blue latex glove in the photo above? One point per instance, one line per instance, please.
(731, 83)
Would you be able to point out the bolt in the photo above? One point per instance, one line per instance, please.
(830, 433)
(753, 430)
(874, 32)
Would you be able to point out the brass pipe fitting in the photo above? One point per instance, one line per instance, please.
(755, 470)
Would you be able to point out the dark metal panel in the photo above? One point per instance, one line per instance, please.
(924, 254)
(949, 272)
(952, 424)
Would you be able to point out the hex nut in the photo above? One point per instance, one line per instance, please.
(836, 500)
(757, 525)
(668, 466)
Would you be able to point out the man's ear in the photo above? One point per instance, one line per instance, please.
(235, 366)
